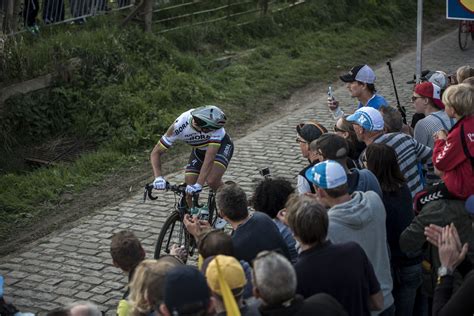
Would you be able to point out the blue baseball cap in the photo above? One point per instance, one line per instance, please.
(368, 118)
(328, 174)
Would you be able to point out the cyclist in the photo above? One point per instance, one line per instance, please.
(203, 129)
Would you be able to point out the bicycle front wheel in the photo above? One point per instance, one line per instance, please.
(463, 34)
(172, 233)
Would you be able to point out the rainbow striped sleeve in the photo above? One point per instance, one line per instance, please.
(165, 143)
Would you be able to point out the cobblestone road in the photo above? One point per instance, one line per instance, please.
(75, 264)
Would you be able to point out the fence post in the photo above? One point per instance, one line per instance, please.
(148, 14)
(263, 6)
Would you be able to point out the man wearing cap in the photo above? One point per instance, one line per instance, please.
(341, 270)
(360, 81)
(359, 217)
(186, 292)
(226, 279)
(335, 147)
(305, 134)
(369, 127)
(427, 100)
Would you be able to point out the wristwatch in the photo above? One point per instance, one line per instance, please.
(443, 271)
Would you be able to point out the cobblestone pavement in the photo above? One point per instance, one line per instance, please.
(75, 264)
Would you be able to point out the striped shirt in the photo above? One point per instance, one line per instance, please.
(425, 128)
(409, 154)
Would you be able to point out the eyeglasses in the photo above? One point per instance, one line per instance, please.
(299, 140)
(413, 98)
(337, 129)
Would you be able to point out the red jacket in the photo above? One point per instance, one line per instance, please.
(450, 157)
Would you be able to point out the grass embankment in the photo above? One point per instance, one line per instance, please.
(132, 85)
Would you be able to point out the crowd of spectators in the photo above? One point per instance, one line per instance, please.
(376, 224)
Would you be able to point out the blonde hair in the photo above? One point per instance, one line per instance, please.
(464, 72)
(461, 98)
(146, 287)
(469, 81)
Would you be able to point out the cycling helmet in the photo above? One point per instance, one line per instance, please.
(209, 116)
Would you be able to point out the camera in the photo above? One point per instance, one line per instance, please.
(265, 172)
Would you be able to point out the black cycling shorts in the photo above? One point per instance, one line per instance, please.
(223, 156)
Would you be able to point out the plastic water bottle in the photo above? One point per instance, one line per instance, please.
(203, 213)
(194, 211)
(220, 223)
(336, 113)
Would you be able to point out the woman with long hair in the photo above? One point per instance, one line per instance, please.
(381, 159)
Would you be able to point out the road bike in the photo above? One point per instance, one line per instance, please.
(466, 30)
(173, 231)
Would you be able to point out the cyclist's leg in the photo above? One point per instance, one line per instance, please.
(222, 160)
(193, 167)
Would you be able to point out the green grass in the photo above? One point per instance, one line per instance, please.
(132, 85)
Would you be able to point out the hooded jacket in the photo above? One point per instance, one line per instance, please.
(362, 220)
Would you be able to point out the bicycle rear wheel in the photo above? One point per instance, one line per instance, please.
(172, 233)
(463, 34)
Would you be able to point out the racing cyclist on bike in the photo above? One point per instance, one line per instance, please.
(203, 129)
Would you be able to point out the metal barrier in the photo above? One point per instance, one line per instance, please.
(17, 16)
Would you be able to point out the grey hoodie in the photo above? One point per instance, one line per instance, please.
(362, 220)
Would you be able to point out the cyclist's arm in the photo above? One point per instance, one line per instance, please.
(160, 149)
(211, 153)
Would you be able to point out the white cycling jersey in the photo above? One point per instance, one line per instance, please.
(183, 130)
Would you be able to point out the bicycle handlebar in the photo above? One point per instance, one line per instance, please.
(179, 189)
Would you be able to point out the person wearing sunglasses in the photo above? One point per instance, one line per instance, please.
(305, 134)
(427, 100)
(203, 129)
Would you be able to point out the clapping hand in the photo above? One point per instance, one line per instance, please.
(451, 251)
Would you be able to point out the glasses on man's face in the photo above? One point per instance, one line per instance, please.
(299, 140)
(413, 98)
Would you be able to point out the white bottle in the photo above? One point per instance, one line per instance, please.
(337, 112)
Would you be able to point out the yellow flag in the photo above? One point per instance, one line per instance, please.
(229, 300)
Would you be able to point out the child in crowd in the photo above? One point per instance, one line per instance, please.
(453, 151)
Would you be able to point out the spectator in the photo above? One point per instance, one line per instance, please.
(227, 280)
(186, 293)
(427, 99)
(360, 82)
(359, 217)
(452, 154)
(369, 124)
(270, 197)
(252, 232)
(323, 267)
(469, 81)
(345, 129)
(306, 133)
(216, 242)
(30, 12)
(146, 287)
(334, 147)
(464, 72)
(278, 295)
(452, 255)
(127, 252)
(83, 309)
(412, 239)
(406, 271)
